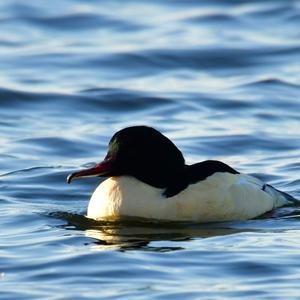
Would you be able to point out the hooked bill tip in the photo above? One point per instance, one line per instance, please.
(69, 178)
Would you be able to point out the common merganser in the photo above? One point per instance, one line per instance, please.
(148, 178)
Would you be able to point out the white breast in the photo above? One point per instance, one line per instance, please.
(221, 197)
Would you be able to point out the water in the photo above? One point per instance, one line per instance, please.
(220, 78)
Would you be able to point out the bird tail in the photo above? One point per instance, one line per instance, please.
(282, 198)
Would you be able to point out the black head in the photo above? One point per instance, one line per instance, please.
(142, 152)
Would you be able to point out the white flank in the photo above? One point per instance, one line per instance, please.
(220, 197)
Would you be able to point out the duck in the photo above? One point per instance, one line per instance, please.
(147, 177)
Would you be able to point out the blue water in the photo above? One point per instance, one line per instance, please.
(220, 78)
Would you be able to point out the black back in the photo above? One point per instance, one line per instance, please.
(197, 172)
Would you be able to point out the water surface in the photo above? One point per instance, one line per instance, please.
(220, 78)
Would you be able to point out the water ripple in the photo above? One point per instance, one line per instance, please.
(220, 78)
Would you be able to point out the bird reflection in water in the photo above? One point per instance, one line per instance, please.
(136, 233)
